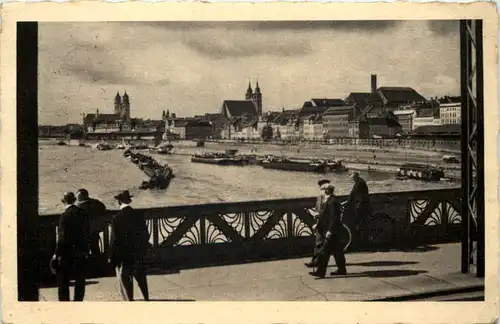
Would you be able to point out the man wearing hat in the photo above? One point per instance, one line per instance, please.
(128, 246)
(72, 247)
(319, 237)
(95, 211)
(330, 226)
(359, 199)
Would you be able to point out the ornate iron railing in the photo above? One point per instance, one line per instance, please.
(255, 230)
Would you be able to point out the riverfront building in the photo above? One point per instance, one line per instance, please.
(405, 118)
(449, 113)
(426, 117)
(336, 121)
(243, 115)
(187, 128)
(119, 121)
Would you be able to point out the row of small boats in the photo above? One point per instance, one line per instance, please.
(162, 149)
(269, 162)
(159, 175)
(406, 171)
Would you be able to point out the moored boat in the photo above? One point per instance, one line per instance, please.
(227, 158)
(335, 166)
(103, 146)
(286, 164)
(419, 172)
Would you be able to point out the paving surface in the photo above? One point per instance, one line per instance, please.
(370, 276)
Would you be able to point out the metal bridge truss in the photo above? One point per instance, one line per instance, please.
(472, 114)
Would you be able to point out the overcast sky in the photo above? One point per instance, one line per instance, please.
(190, 68)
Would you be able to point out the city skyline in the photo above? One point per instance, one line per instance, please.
(190, 68)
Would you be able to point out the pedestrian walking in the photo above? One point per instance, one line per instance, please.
(72, 247)
(319, 238)
(330, 226)
(128, 246)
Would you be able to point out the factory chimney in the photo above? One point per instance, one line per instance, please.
(374, 83)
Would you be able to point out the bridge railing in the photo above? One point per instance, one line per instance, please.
(218, 233)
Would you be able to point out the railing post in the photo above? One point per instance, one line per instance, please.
(203, 236)
(155, 229)
(444, 218)
(246, 224)
(289, 223)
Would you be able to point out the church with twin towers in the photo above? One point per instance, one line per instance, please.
(255, 97)
(122, 106)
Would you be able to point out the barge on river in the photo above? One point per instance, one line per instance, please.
(227, 158)
(419, 172)
(286, 164)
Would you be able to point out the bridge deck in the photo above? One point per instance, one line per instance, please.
(371, 276)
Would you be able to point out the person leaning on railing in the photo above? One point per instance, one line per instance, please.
(95, 210)
(358, 204)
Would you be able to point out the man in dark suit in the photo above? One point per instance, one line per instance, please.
(128, 246)
(329, 224)
(95, 210)
(358, 202)
(319, 238)
(72, 247)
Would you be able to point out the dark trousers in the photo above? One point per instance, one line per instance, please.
(331, 246)
(126, 272)
(94, 244)
(318, 244)
(71, 268)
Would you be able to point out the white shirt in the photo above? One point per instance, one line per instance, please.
(124, 205)
(67, 206)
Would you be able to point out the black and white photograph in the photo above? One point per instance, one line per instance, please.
(258, 160)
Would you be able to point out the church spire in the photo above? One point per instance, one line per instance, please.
(249, 94)
(257, 88)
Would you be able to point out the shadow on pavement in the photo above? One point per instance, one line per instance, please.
(160, 271)
(71, 284)
(170, 300)
(382, 263)
(408, 249)
(381, 274)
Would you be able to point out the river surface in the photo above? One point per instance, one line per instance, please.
(105, 173)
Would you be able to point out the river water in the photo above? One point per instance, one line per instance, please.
(104, 173)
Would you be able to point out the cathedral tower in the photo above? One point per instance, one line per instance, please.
(249, 94)
(257, 99)
(125, 106)
(118, 104)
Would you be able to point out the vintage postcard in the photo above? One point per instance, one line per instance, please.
(293, 162)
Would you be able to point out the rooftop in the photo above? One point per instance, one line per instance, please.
(400, 95)
(235, 108)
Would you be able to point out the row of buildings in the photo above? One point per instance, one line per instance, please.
(382, 112)
(385, 112)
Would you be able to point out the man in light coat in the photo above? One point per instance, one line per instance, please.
(319, 238)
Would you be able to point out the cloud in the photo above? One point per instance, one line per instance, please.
(222, 48)
(90, 74)
(444, 27)
(365, 25)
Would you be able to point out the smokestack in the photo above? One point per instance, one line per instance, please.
(374, 83)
